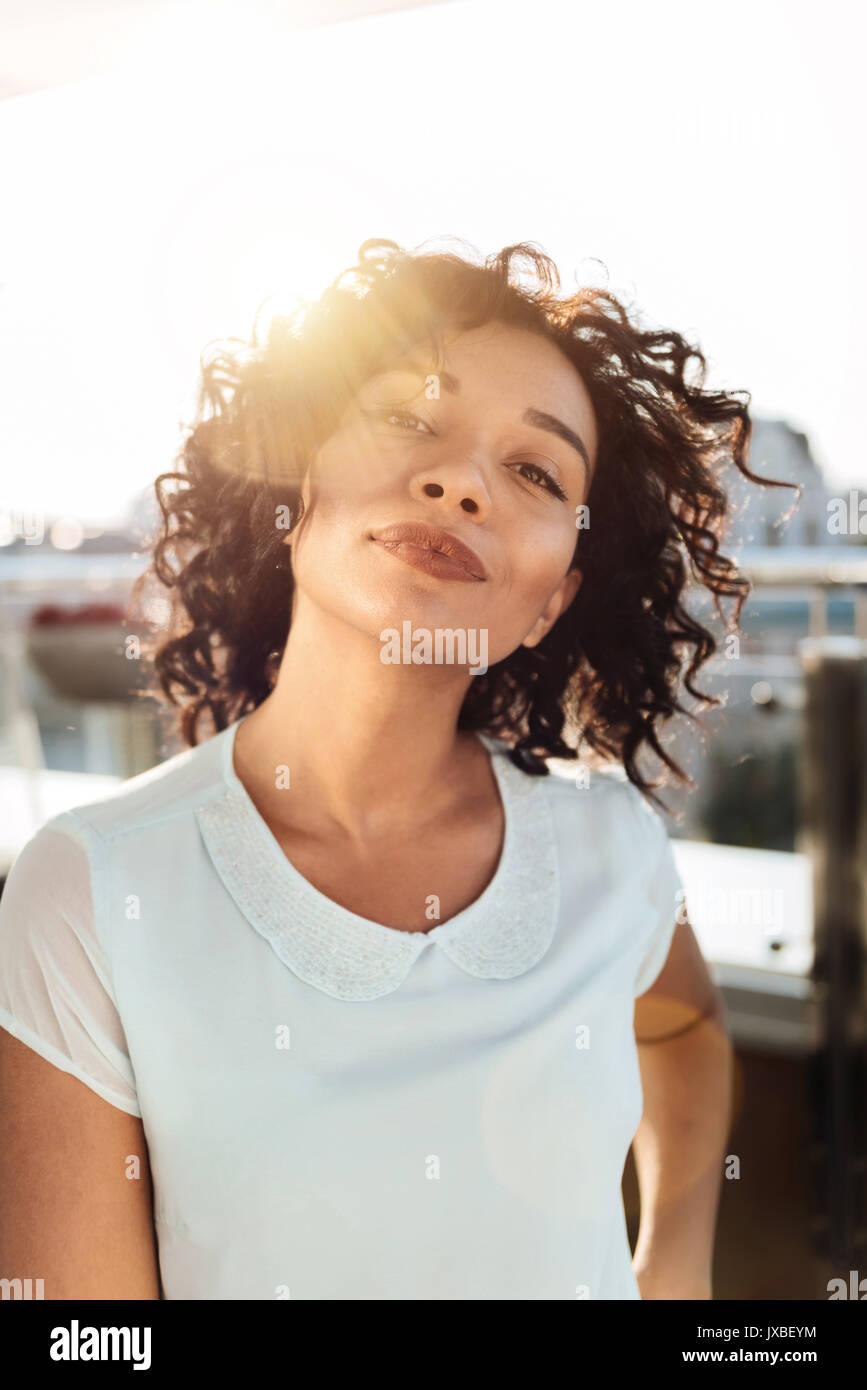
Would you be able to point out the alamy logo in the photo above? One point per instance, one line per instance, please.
(22, 1288)
(857, 1288)
(452, 646)
(76, 1343)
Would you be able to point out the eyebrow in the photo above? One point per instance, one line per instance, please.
(540, 419)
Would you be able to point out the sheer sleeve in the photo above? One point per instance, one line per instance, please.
(56, 993)
(665, 888)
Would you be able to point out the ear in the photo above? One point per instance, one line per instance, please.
(557, 604)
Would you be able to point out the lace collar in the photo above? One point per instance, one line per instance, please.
(502, 934)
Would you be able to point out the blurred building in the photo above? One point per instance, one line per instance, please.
(773, 516)
(746, 762)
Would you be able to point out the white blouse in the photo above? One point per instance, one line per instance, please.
(335, 1109)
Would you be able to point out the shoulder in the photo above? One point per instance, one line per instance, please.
(599, 790)
(157, 797)
(601, 806)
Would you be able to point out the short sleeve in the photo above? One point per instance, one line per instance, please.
(56, 994)
(665, 888)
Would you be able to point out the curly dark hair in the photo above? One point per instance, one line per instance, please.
(613, 663)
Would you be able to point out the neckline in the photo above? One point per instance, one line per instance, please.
(328, 906)
(501, 934)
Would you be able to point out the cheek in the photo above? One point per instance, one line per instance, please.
(539, 559)
(351, 467)
(333, 562)
(335, 492)
(549, 569)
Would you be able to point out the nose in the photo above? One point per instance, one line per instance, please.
(459, 483)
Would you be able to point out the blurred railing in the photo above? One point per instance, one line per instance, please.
(816, 574)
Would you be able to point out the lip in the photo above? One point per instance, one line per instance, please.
(430, 548)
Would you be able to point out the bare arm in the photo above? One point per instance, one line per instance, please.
(69, 1214)
(679, 1145)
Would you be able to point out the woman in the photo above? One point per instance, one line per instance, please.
(350, 985)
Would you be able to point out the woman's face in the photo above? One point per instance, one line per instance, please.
(478, 452)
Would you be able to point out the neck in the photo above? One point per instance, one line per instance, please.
(367, 745)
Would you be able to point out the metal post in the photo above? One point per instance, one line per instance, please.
(818, 613)
(834, 820)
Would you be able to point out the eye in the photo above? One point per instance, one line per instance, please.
(388, 413)
(542, 478)
(538, 475)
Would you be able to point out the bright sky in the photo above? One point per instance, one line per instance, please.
(710, 157)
